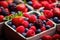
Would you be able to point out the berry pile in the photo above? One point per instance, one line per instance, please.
(31, 24)
(8, 7)
(53, 14)
(54, 37)
(36, 4)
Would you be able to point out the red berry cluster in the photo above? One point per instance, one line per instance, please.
(36, 4)
(54, 37)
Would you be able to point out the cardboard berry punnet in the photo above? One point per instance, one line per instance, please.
(12, 34)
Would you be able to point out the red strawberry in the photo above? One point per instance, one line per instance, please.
(30, 33)
(50, 23)
(21, 7)
(25, 23)
(36, 5)
(47, 37)
(56, 37)
(33, 28)
(32, 18)
(25, 10)
(26, 15)
(17, 21)
(48, 13)
(43, 28)
(1, 18)
(20, 29)
(42, 17)
(4, 4)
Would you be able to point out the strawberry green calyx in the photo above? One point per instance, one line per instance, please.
(19, 14)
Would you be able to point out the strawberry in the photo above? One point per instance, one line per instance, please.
(43, 28)
(30, 33)
(26, 15)
(47, 37)
(20, 29)
(25, 23)
(4, 4)
(1, 18)
(50, 23)
(48, 13)
(32, 18)
(56, 37)
(36, 5)
(42, 17)
(33, 28)
(21, 7)
(17, 21)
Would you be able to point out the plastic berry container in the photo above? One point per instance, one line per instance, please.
(12, 34)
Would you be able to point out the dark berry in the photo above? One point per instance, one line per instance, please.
(58, 21)
(26, 29)
(24, 34)
(13, 12)
(12, 7)
(26, 19)
(44, 21)
(48, 27)
(31, 24)
(30, 3)
(13, 26)
(55, 19)
(10, 23)
(38, 23)
(38, 31)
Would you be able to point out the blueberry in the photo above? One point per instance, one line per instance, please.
(48, 27)
(13, 26)
(38, 31)
(26, 19)
(13, 12)
(58, 21)
(44, 21)
(30, 25)
(24, 34)
(55, 19)
(44, 25)
(10, 23)
(26, 29)
(30, 3)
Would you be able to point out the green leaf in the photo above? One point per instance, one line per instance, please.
(20, 14)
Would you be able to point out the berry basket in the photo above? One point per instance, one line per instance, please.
(12, 34)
